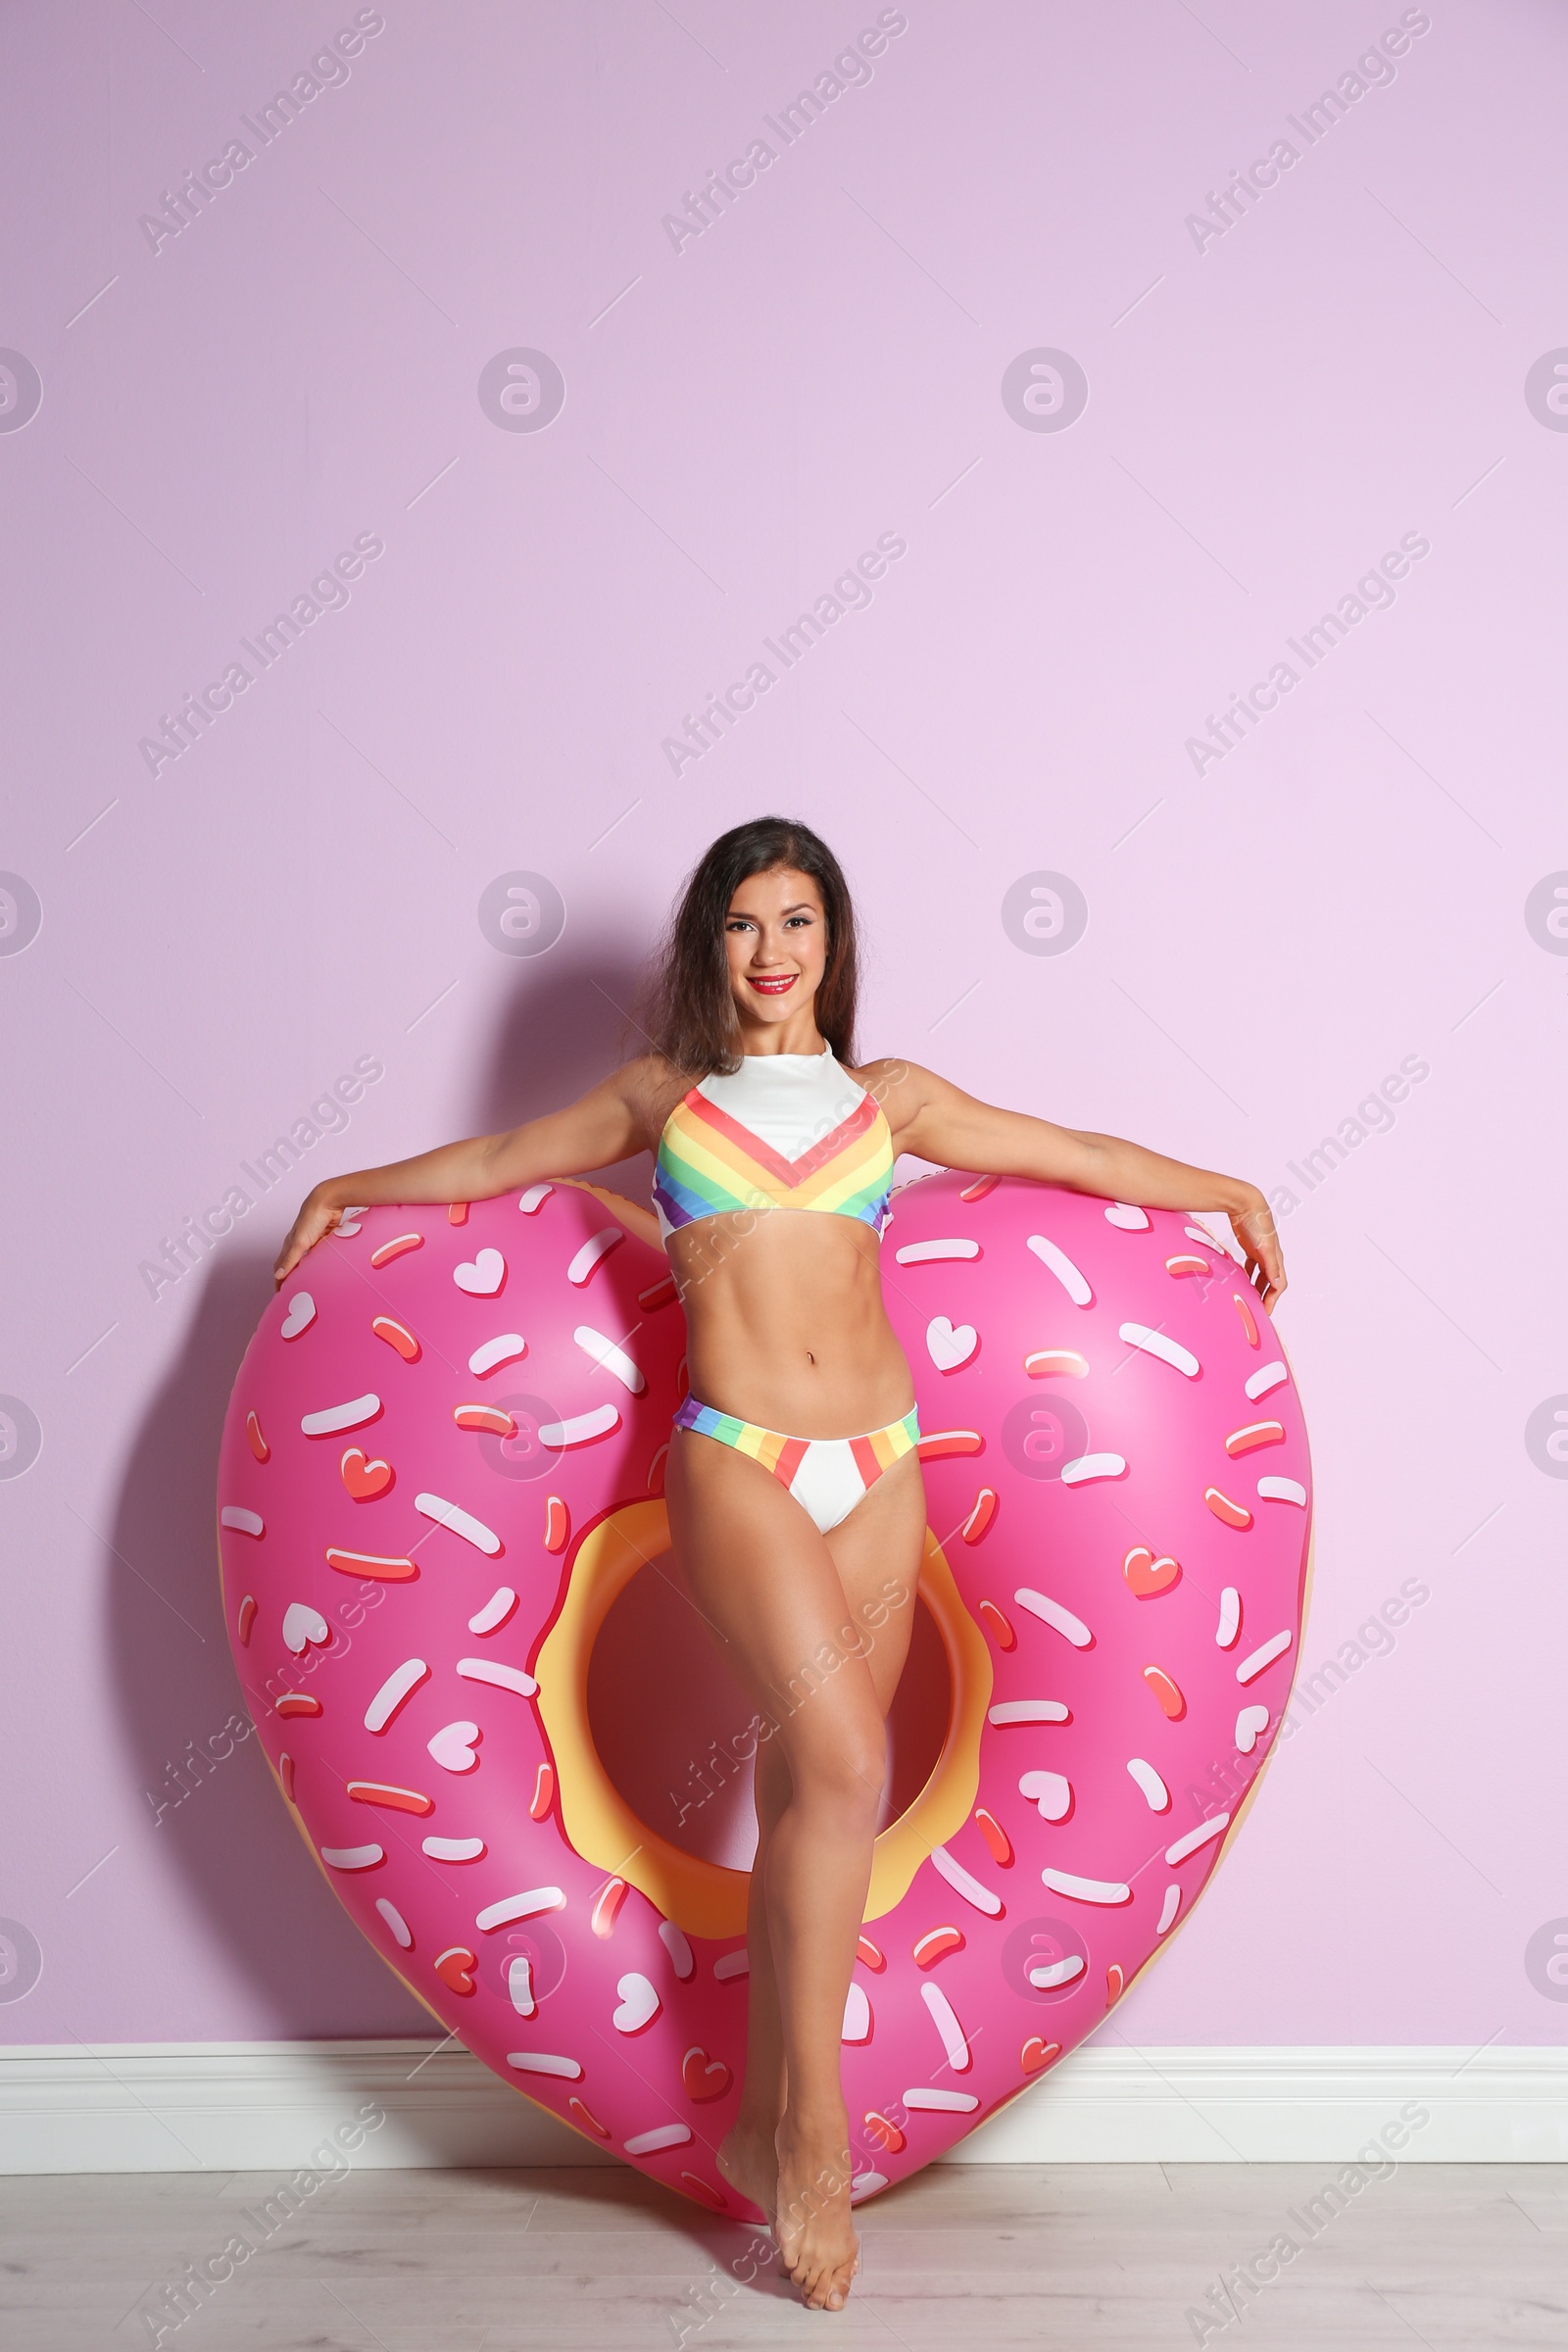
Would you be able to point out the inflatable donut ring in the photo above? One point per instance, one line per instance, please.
(512, 1749)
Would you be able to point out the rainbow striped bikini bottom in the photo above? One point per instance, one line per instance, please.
(827, 1476)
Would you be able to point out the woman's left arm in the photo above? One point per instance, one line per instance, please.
(938, 1121)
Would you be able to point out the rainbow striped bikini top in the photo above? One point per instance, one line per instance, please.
(783, 1131)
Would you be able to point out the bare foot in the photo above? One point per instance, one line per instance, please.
(749, 2162)
(812, 2230)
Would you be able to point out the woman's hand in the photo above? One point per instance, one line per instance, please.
(1253, 1227)
(316, 1218)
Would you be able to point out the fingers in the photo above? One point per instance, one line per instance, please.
(312, 1225)
(288, 1257)
(1263, 1258)
(1268, 1284)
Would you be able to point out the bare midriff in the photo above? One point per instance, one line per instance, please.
(785, 1323)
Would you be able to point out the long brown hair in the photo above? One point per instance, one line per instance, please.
(690, 1011)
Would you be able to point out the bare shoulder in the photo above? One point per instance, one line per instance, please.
(901, 1087)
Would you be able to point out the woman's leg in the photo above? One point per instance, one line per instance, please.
(877, 1554)
(807, 1655)
(747, 2156)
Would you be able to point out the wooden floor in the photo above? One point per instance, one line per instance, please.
(1106, 2256)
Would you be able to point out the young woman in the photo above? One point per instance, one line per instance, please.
(754, 1104)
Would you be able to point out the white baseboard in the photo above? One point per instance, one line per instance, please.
(266, 2106)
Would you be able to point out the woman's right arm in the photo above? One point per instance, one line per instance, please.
(604, 1125)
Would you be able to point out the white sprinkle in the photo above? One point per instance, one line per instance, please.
(865, 2184)
(540, 2062)
(942, 2102)
(302, 1625)
(244, 1523)
(1205, 1831)
(1051, 1972)
(482, 1276)
(612, 1359)
(352, 1857)
(454, 1849)
(1150, 1781)
(1282, 1490)
(732, 1964)
(581, 1429)
(589, 1256)
(1251, 1667)
(639, 2002)
(857, 2026)
(497, 1610)
(1067, 1274)
(667, 2136)
(947, 2024)
(532, 1197)
(396, 1922)
(959, 1881)
(1230, 1617)
(503, 1678)
(1125, 1215)
(1219, 1242)
(334, 1417)
(675, 1945)
(1250, 1725)
(1267, 1376)
(1087, 1891)
(459, 1522)
(1158, 1342)
(1169, 1909)
(502, 1350)
(521, 1906)
(1028, 1710)
(1050, 1792)
(301, 1315)
(454, 1745)
(393, 1692)
(925, 1253)
(1089, 1466)
(519, 1985)
(1051, 1613)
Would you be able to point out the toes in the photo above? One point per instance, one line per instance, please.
(839, 2287)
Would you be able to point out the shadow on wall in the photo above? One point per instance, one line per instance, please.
(207, 1786)
(572, 1023)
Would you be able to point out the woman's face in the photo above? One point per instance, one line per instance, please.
(775, 936)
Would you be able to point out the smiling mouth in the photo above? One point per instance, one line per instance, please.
(775, 987)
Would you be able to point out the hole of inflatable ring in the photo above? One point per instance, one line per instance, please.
(673, 1731)
(706, 1896)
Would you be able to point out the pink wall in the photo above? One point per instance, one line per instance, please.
(1358, 887)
